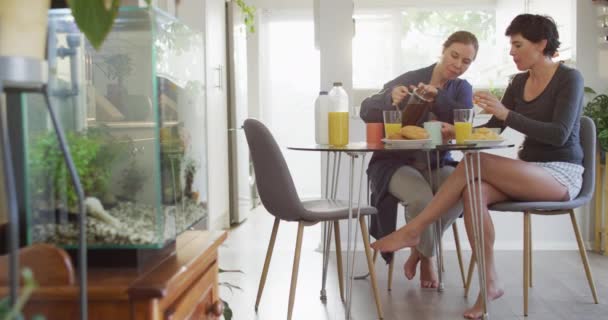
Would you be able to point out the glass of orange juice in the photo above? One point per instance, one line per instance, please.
(463, 124)
(392, 122)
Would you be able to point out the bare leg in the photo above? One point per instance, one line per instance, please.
(493, 287)
(515, 178)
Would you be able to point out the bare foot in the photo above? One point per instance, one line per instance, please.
(409, 268)
(476, 310)
(428, 276)
(397, 240)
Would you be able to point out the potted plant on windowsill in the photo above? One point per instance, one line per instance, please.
(597, 109)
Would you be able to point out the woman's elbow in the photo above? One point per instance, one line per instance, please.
(559, 137)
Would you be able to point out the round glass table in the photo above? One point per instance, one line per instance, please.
(359, 150)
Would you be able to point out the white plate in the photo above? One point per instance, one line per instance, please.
(412, 144)
(485, 143)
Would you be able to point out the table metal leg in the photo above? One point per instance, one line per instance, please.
(348, 242)
(327, 233)
(323, 293)
(331, 186)
(369, 238)
(472, 165)
(352, 236)
(437, 225)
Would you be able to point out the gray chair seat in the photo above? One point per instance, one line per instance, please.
(330, 210)
(540, 206)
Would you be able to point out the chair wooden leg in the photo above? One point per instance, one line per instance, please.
(530, 251)
(526, 261)
(375, 256)
(581, 249)
(339, 259)
(370, 265)
(391, 267)
(458, 253)
(273, 237)
(597, 194)
(467, 285)
(294, 272)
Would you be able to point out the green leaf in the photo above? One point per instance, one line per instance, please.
(589, 90)
(602, 137)
(227, 311)
(230, 271)
(93, 19)
(230, 286)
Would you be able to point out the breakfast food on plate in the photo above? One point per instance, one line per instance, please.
(484, 134)
(396, 136)
(414, 133)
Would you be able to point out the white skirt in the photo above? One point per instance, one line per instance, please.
(570, 175)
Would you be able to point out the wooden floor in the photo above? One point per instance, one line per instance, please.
(560, 290)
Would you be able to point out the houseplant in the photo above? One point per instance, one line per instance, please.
(190, 166)
(93, 155)
(597, 109)
(248, 15)
(8, 312)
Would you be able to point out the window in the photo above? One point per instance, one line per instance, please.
(290, 75)
(391, 41)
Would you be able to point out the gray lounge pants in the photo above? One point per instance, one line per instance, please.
(411, 186)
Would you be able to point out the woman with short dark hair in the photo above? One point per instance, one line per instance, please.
(544, 103)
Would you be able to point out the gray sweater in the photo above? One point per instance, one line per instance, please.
(551, 121)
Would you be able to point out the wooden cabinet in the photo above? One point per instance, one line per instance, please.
(182, 286)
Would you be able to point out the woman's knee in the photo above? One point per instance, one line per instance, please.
(416, 204)
(485, 159)
(471, 193)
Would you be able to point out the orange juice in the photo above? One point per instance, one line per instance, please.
(390, 128)
(338, 128)
(463, 130)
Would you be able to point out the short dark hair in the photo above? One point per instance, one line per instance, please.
(463, 37)
(536, 28)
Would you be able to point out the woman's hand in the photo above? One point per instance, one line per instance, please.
(447, 132)
(427, 91)
(490, 104)
(398, 94)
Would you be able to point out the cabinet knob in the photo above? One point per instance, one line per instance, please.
(216, 309)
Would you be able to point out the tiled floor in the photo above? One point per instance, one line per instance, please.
(560, 289)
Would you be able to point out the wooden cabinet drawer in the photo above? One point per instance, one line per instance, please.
(197, 301)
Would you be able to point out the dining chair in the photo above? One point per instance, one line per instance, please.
(280, 198)
(588, 142)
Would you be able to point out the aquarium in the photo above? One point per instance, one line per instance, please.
(134, 117)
